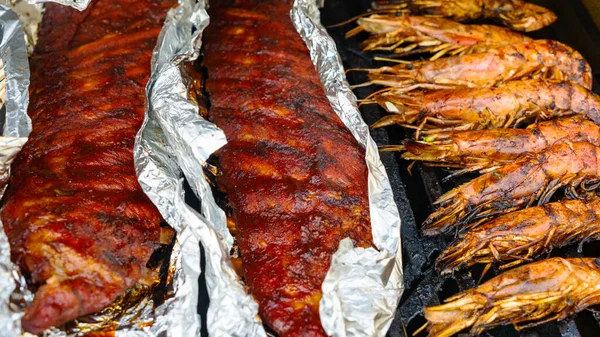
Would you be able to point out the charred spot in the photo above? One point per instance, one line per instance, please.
(114, 219)
(114, 259)
(119, 70)
(582, 65)
(525, 223)
(518, 55)
(160, 255)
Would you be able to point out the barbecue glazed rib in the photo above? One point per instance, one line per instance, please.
(294, 176)
(79, 224)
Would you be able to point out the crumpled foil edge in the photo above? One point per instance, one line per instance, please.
(161, 179)
(77, 4)
(17, 127)
(363, 286)
(192, 140)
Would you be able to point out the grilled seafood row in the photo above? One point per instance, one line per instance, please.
(467, 110)
(516, 14)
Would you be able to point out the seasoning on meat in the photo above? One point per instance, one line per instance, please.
(294, 176)
(79, 224)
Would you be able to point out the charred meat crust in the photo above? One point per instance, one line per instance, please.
(77, 220)
(295, 177)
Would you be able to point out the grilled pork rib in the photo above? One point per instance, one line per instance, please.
(294, 176)
(79, 224)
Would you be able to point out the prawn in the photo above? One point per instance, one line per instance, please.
(516, 14)
(536, 59)
(533, 176)
(405, 35)
(523, 235)
(526, 296)
(507, 105)
(484, 150)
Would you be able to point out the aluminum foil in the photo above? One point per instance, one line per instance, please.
(363, 286)
(158, 174)
(191, 141)
(16, 126)
(172, 116)
(78, 4)
(162, 181)
(30, 16)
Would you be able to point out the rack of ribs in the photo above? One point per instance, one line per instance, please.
(79, 225)
(294, 176)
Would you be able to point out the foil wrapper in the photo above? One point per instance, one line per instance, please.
(77, 4)
(14, 81)
(363, 286)
(191, 140)
(30, 16)
(158, 174)
(172, 115)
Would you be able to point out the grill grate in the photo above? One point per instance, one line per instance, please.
(415, 193)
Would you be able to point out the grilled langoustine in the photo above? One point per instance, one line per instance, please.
(79, 225)
(534, 176)
(405, 35)
(506, 105)
(525, 296)
(294, 176)
(516, 14)
(536, 59)
(520, 236)
(483, 150)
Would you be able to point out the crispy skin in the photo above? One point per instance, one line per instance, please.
(294, 176)
(78, 222)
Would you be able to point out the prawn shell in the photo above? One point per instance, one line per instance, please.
(524, 235)
(486, 149)
(524, 296)
(534, 176)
